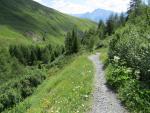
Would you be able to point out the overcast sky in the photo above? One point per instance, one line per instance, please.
(82, 6)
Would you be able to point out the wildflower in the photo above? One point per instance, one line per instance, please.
(90, 71)
(77, 111)
(57, 111)
(116, 58)
(86, 96)
(137, 72)
(129, 70)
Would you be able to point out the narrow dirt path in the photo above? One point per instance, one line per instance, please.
(104, 100)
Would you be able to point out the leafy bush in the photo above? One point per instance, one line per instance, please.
(135, 97)
(133, 48)
(116, 76)
(129, 51)
(10, 68)
(90, 39)
(15, 91)
(131, 93)
(18, 81)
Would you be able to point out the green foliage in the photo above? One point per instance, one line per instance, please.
(29, 32)
(135, 97)
(71, 85)
(45, 56)
(17, 90)
(72, 42)
(135, 6)
(131, 93)
(114, 22)
(133, 49)
(90, 39)
(9, 67)
(117, 76)
(31, 55)
(122, 20)
(129, 51)
(101, 29)
(110, 24)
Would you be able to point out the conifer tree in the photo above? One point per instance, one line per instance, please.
(72, 42)
(68, 43)
(46, 56)
(134, 6)
(39, 53)
(147, 12)
(75, 44)
(33, 57)
(110, 25)
(101, 29)
(19, 54)
(122, 19)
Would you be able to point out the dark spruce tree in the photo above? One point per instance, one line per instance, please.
(122, 19)
(46, 56)
(75, 41)
(110, 25)
(134, 7)
(68, 43)
(147, 13)
(72, 42)
(101, 29)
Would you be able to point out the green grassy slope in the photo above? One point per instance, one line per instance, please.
(70, 88)
(25, 21)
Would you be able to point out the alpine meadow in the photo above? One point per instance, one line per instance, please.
(53, 62)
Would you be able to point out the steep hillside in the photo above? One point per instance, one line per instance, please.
(25, 21)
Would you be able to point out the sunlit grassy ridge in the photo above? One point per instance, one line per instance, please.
(68, 91)
(22, 21)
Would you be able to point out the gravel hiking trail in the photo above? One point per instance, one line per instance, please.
(104, 100)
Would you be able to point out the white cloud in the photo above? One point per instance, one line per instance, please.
(81, 6)
(69, 7)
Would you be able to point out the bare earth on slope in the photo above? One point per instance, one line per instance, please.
(105, 101)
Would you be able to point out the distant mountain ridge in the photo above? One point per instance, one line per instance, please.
(96, 15)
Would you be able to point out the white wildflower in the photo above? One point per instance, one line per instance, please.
(86, 96)
(116, 58)
(90, 71)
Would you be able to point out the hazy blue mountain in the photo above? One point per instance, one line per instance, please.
(96, 15)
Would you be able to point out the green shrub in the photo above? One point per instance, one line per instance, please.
(17, 90)
(133, 49)
(135, 97)
(132, 94)
(117, 75)
(10, 68)
(90, 39)
(129, 68)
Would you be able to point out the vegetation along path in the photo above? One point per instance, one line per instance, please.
(105, 100)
